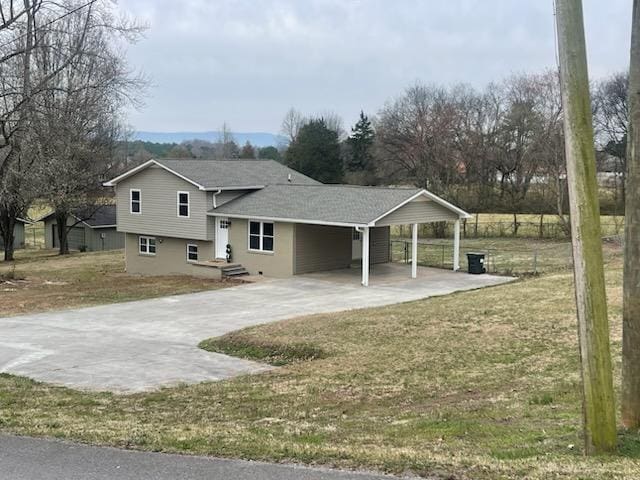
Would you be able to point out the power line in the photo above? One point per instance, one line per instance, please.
(51, 22)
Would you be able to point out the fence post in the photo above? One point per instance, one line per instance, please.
(535, 262)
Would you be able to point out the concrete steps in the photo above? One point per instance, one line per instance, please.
(233, 270)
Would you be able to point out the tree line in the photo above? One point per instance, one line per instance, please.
(64, 87)
(496, 149)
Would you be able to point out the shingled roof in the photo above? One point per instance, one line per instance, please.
(328, 204)
(216, 174)
(104, 216)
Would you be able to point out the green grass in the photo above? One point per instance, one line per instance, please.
(40, 280)
(476, 385)
(264, 350)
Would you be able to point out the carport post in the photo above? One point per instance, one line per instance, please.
(414, 250)
(456, 245)
(365, 256)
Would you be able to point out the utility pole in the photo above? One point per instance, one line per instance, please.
(631, 288)
(591, 301)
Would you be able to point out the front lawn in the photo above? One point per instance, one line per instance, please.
(43, 280)
(475, 385)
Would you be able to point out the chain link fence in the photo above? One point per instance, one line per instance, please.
(498, 260)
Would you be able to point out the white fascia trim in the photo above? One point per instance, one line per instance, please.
(133, 171)
(461, 213)
(287, 220)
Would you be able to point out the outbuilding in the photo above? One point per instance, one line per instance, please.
(95, 233)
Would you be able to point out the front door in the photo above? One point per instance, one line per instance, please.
(222, 237)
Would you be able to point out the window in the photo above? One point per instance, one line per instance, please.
(261, 236)
(192, 252)
(135, 201)
(183, 204)
(147, 245)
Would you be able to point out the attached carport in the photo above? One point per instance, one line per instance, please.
(323, 217)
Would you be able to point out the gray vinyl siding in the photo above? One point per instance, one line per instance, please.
(82, 234)
(75, 236)
(379, 245)
(113, 240)
(159, 206)
(18, 237)
(418, 212)
(320, 247)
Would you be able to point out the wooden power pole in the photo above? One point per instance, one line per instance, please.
(631, 289)
(591, 301)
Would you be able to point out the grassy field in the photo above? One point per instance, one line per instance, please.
(476, 385)
(42, 280)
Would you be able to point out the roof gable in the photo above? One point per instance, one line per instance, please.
(224, 174)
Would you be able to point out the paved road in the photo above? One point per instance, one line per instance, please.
(39, 459)
(137, 346)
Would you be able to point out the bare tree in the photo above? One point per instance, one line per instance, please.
(415, 137)
(591, 299)
(631, 288)
(76, 122)
(611, 118)
(291, 124)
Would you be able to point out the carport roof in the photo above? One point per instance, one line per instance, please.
(345, 205)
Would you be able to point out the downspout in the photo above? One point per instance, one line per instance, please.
(215, 194)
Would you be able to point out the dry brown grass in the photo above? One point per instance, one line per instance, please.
(41, 280)
(475, 385)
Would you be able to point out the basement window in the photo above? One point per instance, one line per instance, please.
(147, 245)
(192, 252)
(261, 236)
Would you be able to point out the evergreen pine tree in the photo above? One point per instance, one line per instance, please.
(316, 152)
(361, 145)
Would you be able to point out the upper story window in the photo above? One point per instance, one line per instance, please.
(135, 201)
(183, 204)
(261, 236)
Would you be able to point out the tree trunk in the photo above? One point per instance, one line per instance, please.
(631, 288)
(7, 226)
(62, 230)
(591, 301)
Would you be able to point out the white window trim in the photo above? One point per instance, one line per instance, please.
(188, 204)
(131, 190)
(197, 252)
(147, 253)
(261, 236)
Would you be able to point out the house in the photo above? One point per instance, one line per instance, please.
(193, 216)
(18, 234)
(98, 232)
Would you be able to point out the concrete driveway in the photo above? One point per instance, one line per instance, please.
(143, 345)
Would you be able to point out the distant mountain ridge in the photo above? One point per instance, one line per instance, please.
(258, 139)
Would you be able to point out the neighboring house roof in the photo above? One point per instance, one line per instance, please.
(24, 220)
(346, 205)
(103, 217)
(224, 174)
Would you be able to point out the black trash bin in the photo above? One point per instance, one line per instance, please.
(476, 263)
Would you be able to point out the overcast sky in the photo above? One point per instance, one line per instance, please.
(247, 62)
